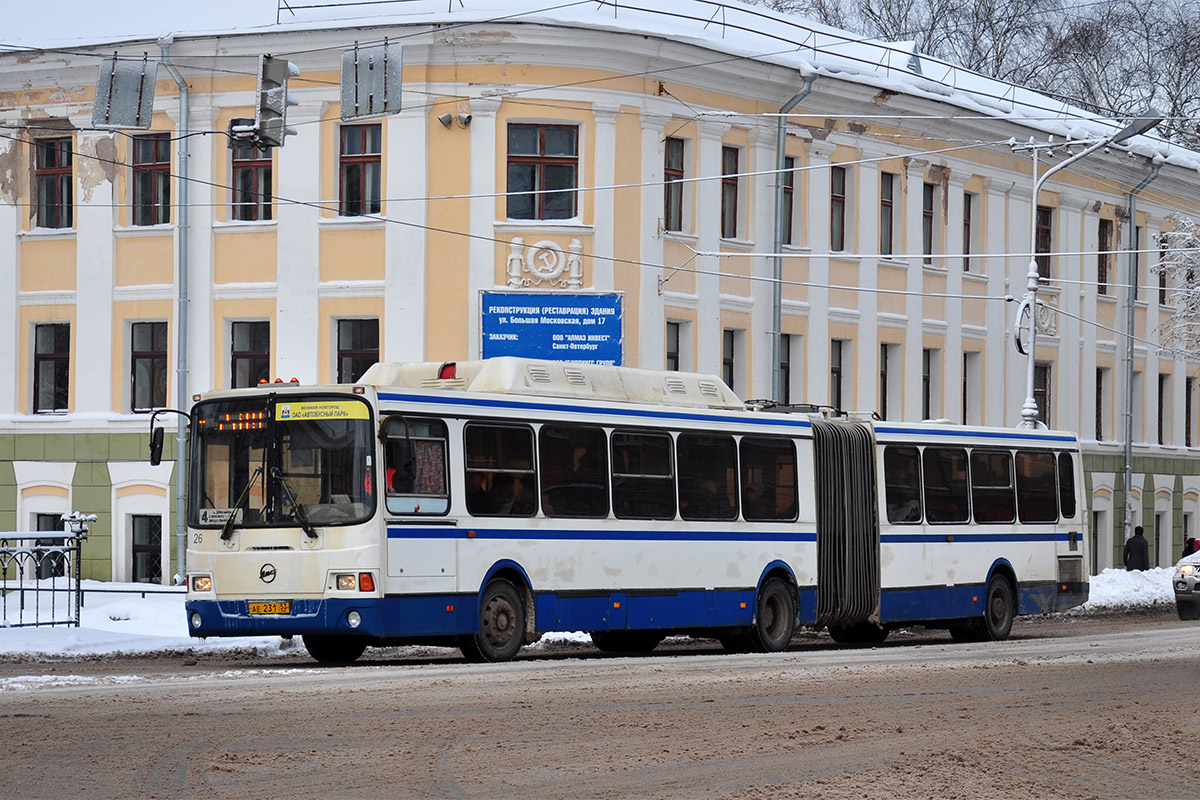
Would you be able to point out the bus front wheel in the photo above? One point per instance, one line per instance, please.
(501, 624)
(999, 609)
(333, 649)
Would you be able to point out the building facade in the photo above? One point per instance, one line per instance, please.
(581, 152)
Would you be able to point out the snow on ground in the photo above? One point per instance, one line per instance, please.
(128, 622)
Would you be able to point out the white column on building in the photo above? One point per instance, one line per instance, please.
(708, 216)
(481, 251)
(402, 331)
(866, 359)
(603, 201)
(1068, 376)
(914, 183)
(651, 343)
(952, 357)
(817, 205)
(10, 226)
(1149, 294)
(997, 355)
(203, 329)
(761, 230)
(1089, 335)
(297, 313)
(95, 248)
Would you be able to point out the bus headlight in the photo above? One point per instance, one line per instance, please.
(354, 619)
(346, 583)
(201, 583)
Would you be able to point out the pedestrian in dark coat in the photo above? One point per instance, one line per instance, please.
(1189, 547)
(1137, 551)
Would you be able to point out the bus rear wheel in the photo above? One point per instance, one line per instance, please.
(999, 609)
(501, 624)
(626, 641)
(775, 620)
(333, 649)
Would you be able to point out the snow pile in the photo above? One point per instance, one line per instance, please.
(127, 622)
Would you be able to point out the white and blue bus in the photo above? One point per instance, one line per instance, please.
(482, 504)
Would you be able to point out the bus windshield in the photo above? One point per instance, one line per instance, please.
(281, 461)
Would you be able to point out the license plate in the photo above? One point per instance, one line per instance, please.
(277, 607)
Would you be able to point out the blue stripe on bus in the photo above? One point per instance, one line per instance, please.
(780, 421)
(959, 535)
(601, 535)
(927, 433)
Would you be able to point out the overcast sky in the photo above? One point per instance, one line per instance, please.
(56, 22)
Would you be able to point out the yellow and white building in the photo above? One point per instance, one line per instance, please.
(907, 228)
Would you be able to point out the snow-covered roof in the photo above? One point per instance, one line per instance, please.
(727, 26)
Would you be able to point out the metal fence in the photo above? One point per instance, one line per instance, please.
(40, 577)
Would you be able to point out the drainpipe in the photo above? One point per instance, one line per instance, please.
(777, 249)
(1129, 318)
(181, 312)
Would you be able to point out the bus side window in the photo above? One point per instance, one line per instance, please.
(707, 476)
(574, 466)
(768, 479)
(414, 461)
(902, 483)
(1036, 487)
(945, 471)
(1066, 485)
(501, 479)
(992, 486)
(643, 476)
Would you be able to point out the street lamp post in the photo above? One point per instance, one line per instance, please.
(1029, 305)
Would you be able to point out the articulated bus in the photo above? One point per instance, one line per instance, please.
(482, 504)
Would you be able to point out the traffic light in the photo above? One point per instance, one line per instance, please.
(270, 114)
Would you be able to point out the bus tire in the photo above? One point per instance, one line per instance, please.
(333, 649)
(626, 641)
(501, 624)
(999, 609)
(775, 617)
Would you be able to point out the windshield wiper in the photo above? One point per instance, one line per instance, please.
(227, 528)
(294, 499)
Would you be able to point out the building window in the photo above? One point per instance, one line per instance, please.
(728, 342)
(788, 179)
(785, 368)
(673, 184)
(928, 196)
(835, 373)
(52, 177)
(1104, 257)
(542, 159)
(1041, 392)
(1189, 394)
(926, 384)
(837, 208)
(50, 564)
(1101, 387)
(969, 200)
(1162, 277)
(251, 183)
(1136, 278)
(250, 354)
(673, 346)
(972, 389)
(361, 170)
(1043, 238)
(357, 348)
(885, 352)
(147, 365)
(51, 367)
(147, 548)
(729, 192)
(1164, 407)
(887, 212)
(152, 179)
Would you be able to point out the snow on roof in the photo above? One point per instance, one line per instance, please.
(727, 26)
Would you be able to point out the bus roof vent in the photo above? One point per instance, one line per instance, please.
(675, 385)
(708, 388)
(538, 373)
(575, 376)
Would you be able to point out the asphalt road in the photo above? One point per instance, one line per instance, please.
(1068, 707)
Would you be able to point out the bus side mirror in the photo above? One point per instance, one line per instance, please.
(156, 446)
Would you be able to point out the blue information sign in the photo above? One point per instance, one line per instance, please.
(585, 328)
